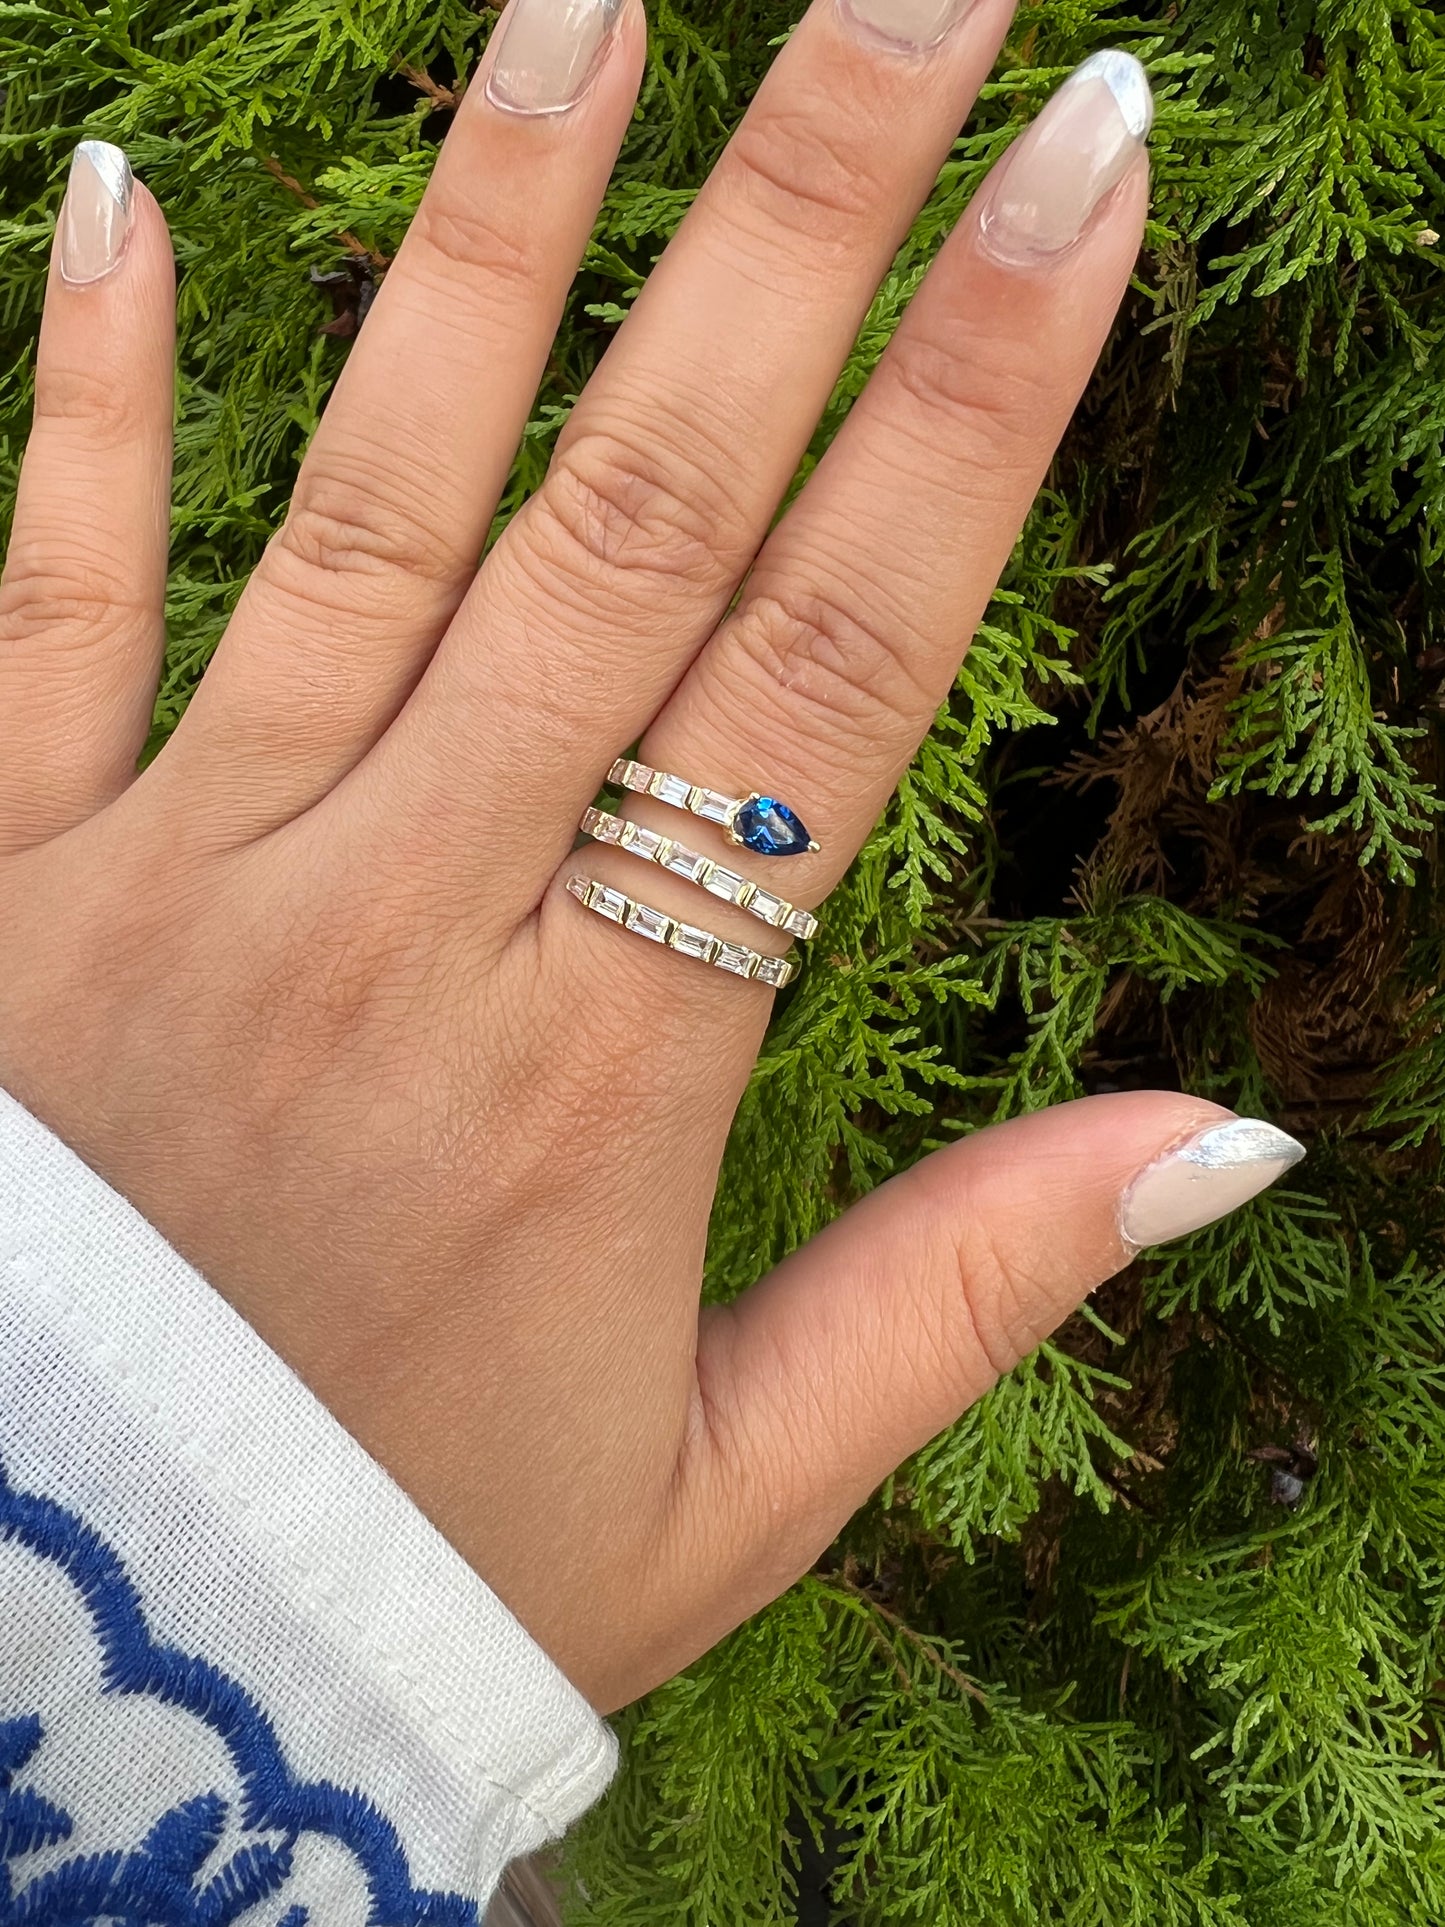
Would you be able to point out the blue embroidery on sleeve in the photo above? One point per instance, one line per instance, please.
(159, 1879)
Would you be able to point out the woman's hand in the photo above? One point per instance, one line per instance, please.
(311, 991)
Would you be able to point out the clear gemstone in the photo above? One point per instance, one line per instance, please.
(712, 807)
(774, 970)
(692, 942)
(684, 863)
(800, 923)
(579, 886)
(764, 904)
(671, 789)
(618, 771)
(737, 958)
(635, 776)
(644, 842)
(607, 829)
(726, 884)
(648, 922)
(610, 904)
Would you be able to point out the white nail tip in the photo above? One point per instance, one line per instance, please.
(1243, 1140)
(1126, 80)
(111, 168)
(1210, 1175)
(95, 215)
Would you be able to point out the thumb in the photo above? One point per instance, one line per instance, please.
(873, 1337)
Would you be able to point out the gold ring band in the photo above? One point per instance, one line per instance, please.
(686, 938)
(693, 867)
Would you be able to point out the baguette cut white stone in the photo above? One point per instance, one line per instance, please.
(648, 922)
(670, 789)
(693, 942)
(693, 867)
(712, 807)
(644, 842)
(684, 863)
(726, 884)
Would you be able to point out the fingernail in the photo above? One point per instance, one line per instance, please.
(549, 53)
(1040, 199)
(908, 26)
(95, 214)
(1213, 1172)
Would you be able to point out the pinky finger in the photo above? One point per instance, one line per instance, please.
(82, 597)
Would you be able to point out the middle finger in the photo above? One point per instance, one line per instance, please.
(663, 485)
(404, 472)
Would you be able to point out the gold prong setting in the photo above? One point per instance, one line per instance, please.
(644, 920)
(693, 867)
(763, 824)
(710, 805)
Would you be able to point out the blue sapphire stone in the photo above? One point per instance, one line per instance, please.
(770, 827)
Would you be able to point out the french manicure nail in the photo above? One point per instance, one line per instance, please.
(908, 26)
(95, 215)
(1040, 199)
(549, 52)
(1211, 1173)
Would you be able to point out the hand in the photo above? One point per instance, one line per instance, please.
(311, 992)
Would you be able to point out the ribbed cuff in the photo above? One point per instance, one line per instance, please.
(208, 1589)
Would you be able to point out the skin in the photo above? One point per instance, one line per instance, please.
(305, 996)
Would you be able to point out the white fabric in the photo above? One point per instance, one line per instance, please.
(322, 1634)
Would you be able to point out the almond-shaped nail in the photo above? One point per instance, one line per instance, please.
(1211, 1173)
(95, 215)
(1042, 196)
(907, 26)
(549, 52)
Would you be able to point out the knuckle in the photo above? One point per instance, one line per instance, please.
(458, 231)
(849, 674)
(617, 515)
(346, 527)
(952, 379)
(43, 603)
(804, 169)
(76, 400)
(992, 1266)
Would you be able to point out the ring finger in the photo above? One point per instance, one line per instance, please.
(401, 480)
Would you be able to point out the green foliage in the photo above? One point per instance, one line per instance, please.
(983, 1479)
(1077, 1664)
(1305, 724)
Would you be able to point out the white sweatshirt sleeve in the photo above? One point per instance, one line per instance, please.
(240, 1673)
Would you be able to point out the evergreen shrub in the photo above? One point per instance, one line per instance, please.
(1090, 1658)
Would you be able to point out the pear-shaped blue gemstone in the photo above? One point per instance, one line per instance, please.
(770, 827)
